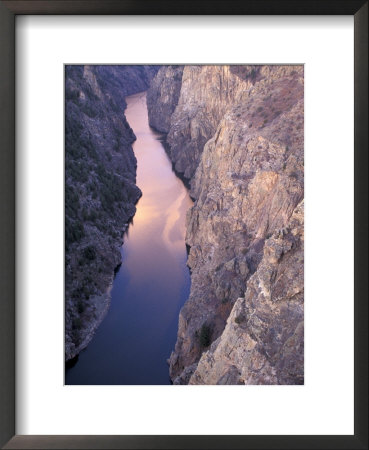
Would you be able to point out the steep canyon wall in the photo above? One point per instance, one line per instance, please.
(100, 189)
(236, 132)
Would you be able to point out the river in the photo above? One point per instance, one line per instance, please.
(137, 335)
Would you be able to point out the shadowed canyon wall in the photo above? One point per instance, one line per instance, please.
(100, 189)
(236, 133)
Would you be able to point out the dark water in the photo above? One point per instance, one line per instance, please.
(135, 339)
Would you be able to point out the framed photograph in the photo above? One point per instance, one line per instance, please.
(183, 236)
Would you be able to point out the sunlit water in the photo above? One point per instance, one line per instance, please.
(135, 339)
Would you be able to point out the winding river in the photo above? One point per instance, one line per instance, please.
(134, 341)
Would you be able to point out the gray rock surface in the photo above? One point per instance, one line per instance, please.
(263, 341)
(237, 134)
(205, 94)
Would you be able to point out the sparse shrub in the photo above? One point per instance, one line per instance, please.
(239, 319)
(71, 94)
(116, 145)
(118, 131)
(84, 214)
(90, 109)
(116, 108)
(77, 323)
(81, 306)
(87, 291)
(92, 216)
(78, 171)
(178, 76)
(74, 231)
(205, 335)
(89, 252)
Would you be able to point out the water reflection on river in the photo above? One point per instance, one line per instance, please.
(137, 335)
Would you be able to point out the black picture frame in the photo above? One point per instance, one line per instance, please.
(8, 12)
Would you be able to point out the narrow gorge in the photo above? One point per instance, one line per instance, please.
(133, 342)
(100, 189)
(234, 135)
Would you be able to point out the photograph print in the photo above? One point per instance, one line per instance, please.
(184, 224)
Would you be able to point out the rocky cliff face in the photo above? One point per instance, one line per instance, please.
(100, 190)
(191, 114)
(237, 133)
(263, 341)
(162, 97)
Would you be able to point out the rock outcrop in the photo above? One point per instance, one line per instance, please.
(237, 134)
(263, 341)
(199, 100)
(162, 97)
(100, 189)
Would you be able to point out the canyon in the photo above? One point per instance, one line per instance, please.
(132, 343)
(235, 135)
(100, 189)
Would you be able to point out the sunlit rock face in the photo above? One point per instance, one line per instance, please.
(204, 94)
(100, 189)
(263, 341)
(237, 134)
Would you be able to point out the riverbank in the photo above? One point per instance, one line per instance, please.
(100, 189)
(134, 341)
